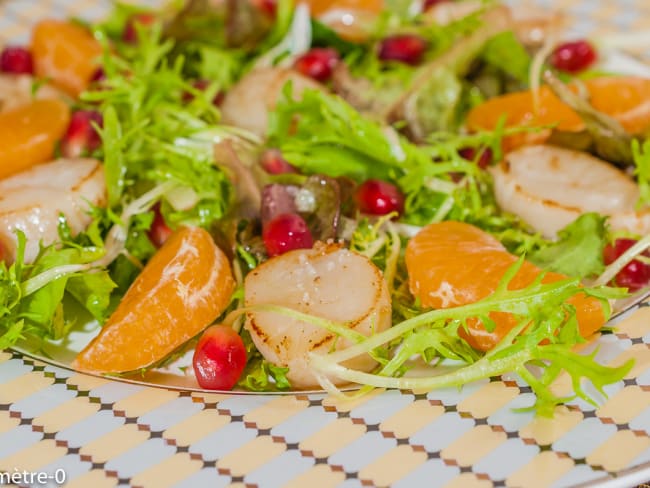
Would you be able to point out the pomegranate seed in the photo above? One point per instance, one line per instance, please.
(203, 85)
(286, 232)
(636, 274)
(405, 48)
(159, 231)
(81, 137)
(16, 60)
(130, 34)
(98, 76)
(318, 63)
(574, 56)
(484, 158)
(432, 3)
(270, 7)
(274, 164)
(219, 358)
(377, 197)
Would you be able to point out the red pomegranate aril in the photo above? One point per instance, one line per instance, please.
(270, 7)
(574, 56)
(16, 60)
(377, 197)
(484, 158)
(432, 3)
(159, 231)
(636, 274)
(130, 33)
(404, 48)
(98, 76)
(81, 137)
(219, 358)
(286, 232)
(318, 63)
(273, 163)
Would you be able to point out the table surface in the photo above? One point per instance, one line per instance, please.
(108, 433)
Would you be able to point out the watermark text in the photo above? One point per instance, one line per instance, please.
(31, 478)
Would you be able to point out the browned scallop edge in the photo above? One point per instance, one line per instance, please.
(323, 249)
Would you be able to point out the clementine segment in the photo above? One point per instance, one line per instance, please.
(182, 290)
(453, 263)
(319, 7)
(29, 134)
(627, 99)
(65, 53)
(351, 19)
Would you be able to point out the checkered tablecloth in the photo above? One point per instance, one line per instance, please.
(106, 433)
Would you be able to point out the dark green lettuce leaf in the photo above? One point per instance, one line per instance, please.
(579, 249)
(330, 137)
(505, 52)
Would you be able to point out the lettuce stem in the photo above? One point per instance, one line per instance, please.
(513, 303)
(483, 368)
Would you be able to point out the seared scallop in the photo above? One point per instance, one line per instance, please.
(533, 25)
(17, 90)
(445, 13)
(549, 187)
(328, 282)
(248, 103)
(33, 200)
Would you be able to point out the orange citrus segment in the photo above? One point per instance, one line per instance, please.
(29, 133)
(627, 99)
(182, 290)
(65, 53)
(453, 263)
(319, 7)
(351, 19)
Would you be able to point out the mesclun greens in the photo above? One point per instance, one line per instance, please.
(331, 137)
(158, 135)
(466, 60)
(31, 295)
(147, 105)
(322, 134)
(145, 109)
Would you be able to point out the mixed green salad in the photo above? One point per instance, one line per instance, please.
(277, 131)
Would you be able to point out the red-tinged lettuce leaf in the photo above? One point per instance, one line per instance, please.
(241, 171)
(246, 23)
(232, 23)
(198, 19)
(317, 200)
(278, 199)
(323, 221)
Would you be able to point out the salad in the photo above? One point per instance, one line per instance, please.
(275, 196)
